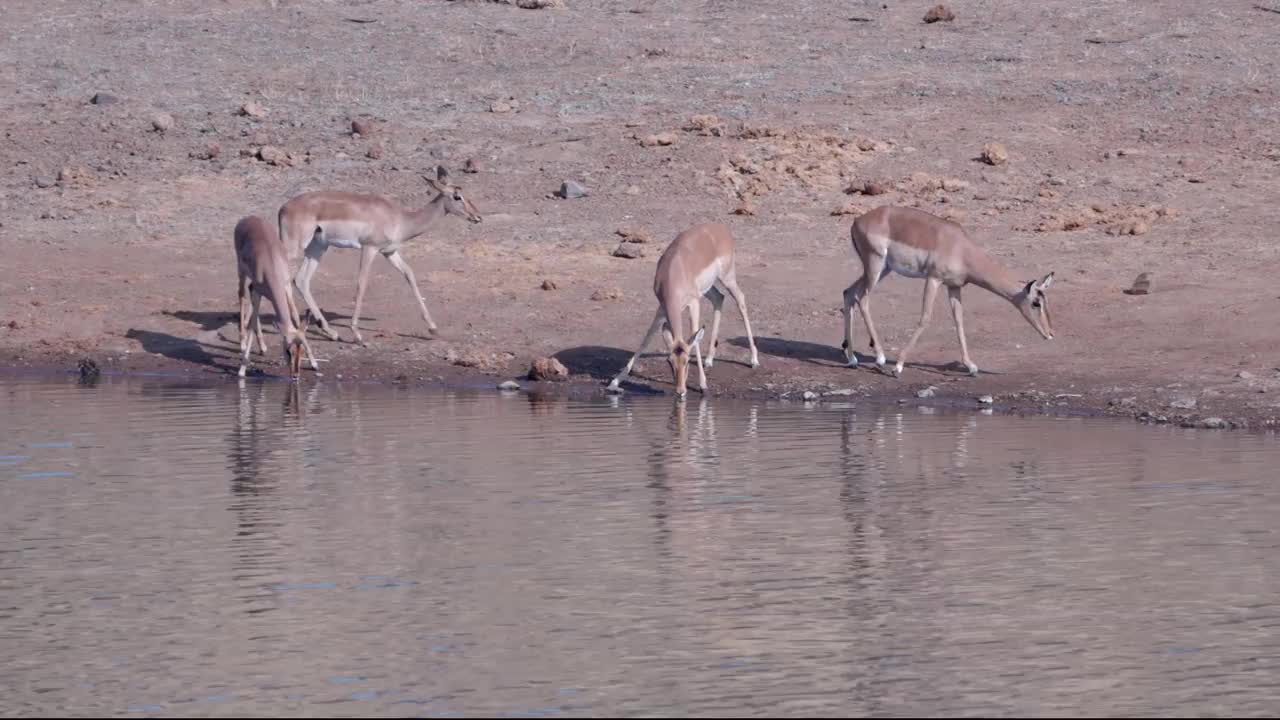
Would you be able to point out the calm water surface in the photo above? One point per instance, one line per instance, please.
(176, 549)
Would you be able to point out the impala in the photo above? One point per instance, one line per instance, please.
(917, 244)
(690, 268)
(263, 270)
(373, 224)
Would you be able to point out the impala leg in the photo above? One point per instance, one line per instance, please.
(931, 286)
(302, 280)
(730, 281)
(717, 301)
(246, 340)
(874, 270)
(362, 284)
(957, 313)
(658, 319)
(302, 331)
(398, 262)
(852, 295)
(695, 322)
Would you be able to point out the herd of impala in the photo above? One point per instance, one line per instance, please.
(698, 263)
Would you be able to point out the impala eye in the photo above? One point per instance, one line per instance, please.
(1035, 304)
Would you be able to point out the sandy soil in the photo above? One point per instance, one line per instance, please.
(1118, 118)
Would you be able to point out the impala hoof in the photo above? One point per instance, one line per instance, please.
(242, 371)
(897, 370)
(755, 363)
(973, 370)
(708, 362)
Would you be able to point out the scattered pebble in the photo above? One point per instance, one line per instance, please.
(549, 285)
(661, 139)
(744, 208)
(374, 152)
(1245, 375)
(274, 156)
(500, 107)
(104, 99)
(994, 154)
(1141, 285)
(45, 181)
(628, 250)
(634, 235)
(607, 294)
(548, 368)
(509, 385)
(1183, 403)
(470, 167)
(810, 396)
(939, 13)
(570, 190)
(253, 110)
(1214, 423)
(927, 392)
(362, 127)
(986, 399)
(162, 122)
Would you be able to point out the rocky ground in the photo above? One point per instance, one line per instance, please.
(1098, 140)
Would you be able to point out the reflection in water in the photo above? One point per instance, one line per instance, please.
(285, 548)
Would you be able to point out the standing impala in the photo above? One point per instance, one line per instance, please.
(919, 245)
(689, 270)
(373, 224)
(263, 269)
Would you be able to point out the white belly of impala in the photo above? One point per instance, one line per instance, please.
(343, 233)
(707, 277)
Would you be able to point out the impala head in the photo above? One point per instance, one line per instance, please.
(679, 351)
(293, 355)
(455, 203)
(1033, 303)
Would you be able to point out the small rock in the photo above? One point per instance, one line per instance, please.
(954, 185)
(162, 122)
(927, 392)
(15, 325)
(634, 235)
(570, 190)
(939, 13)
(75, 175)
(549, 285)
(210, 152)
(994, 154)
(1141, 285)
(509, 385)
(810, 396)
(362, 127)
(104, 99)
(470, 167)
(1213, 423)
(706, 125)
(45, 181)
(500, 107)
(986, 399)
(88, 369)
(607, 294)
(849, 208)
(866, 144)
(1183, 403)
(628, 250)
(633, 189)
(374, 152)
(1245, 375)
(539, 4)
(274, 156)
(875, 187)
(548, 368)
(659, 139)
(253, 110)
(744, 208)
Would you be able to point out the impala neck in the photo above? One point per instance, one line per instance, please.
(986, 272)
(417, 221)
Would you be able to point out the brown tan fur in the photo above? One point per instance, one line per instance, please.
(917, 244)
(264, 270)
(699, 259)
(374, 224)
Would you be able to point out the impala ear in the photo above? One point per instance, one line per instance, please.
(1030, 289)
(441, 174)
(1045, 282)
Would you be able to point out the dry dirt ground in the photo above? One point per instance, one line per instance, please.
(1141, 137)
